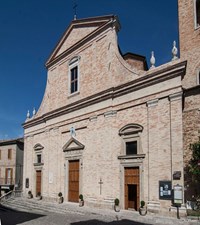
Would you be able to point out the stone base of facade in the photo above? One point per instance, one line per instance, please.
(101, 204)
(49, 199)
(182, 211)
(154, 207)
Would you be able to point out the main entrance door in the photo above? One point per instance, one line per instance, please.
(38, 181)
(132, 187)
(74, 181)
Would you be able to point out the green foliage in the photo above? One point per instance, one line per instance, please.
(194, 168)
(142, 204)
(116, 201)
(81, 197)
(191, 212)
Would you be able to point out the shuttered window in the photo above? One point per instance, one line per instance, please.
(9, 176)
(9, 153)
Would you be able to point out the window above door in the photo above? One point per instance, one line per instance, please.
(131, 141)
(39, 161)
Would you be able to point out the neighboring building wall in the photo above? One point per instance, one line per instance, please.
(14, 164)
(136, 61)
(19, 165)
(6, 163)
(189, 35)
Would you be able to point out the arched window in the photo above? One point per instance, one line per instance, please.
(197, 13)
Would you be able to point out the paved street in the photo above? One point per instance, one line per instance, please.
(82, 216)
(12, 217)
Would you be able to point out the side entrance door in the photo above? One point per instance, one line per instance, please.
(132, 187)
(38, 181)
(73, 181)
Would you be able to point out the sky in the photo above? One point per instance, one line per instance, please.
(30, 29)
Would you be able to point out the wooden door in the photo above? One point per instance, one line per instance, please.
(38, 181)
(73, 181)
(131, 187)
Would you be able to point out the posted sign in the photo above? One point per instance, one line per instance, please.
(165, 190)
(178, 194)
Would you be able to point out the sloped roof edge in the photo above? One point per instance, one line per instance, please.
(12, 141)
(101, 20)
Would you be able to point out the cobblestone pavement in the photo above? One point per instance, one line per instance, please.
(83, 216)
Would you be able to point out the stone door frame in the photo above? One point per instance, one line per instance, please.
(122, 180)
(66, 187)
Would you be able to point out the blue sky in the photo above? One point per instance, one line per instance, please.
(29, 31)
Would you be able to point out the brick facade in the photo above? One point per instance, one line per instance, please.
(189, 35)
(116, 103)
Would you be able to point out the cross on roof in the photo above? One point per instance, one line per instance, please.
(75, 7)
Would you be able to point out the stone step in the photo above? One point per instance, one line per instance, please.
(23, 204)
(29, 205)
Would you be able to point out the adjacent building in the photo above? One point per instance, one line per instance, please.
(189, 35)
(107, 127)
(11, 164)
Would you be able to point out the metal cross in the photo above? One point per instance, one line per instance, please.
(74, 7)
(100, 182)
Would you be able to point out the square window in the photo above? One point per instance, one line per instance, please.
(131, 148)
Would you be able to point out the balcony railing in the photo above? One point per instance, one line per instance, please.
(7, 181)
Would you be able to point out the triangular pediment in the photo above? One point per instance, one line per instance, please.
(75, 34)
(73, 144)
(78, 32)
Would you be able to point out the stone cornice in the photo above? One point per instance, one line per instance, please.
(152, 103)
(137, 156)
(176, 96)
(114, 92)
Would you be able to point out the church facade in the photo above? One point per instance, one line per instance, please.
(107, 127)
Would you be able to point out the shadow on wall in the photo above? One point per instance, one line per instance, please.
(118, 222)
(12, 217)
